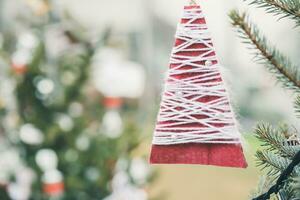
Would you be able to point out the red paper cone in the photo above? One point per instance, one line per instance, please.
(195, 123)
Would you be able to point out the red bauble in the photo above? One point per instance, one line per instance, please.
(19, 68)
(53, 189)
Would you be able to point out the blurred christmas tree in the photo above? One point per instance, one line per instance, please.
(59, 138)
(282, 143)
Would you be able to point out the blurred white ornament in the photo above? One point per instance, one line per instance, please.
(139, 170)
(83, 143)
(122, 164)
(120, 180)
(18, 192)
(75, 109)
(46, 159)
(21, 58)
(45, 86)
(31, 135)
(52, 176)
(128, 192)
(56, 41)
(9, 163)
(25, 177)
(92, 174)
(68, 78)
(115, 76)
(65, 122)
(112, 124)
(27, 41)
(71, 155)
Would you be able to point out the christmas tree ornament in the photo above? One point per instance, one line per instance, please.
(45, 86)
(65, 122)
(56, 41)
(124, 190)
(75, 109)
(139, 170)
(27, 40)
(20, 60)
(18, 192)
(92, 174)
(195, 123)
(46, 159)
(83, 143)
(26, 43)
(53, 184)
(31, 135)
(115, 76)
(112, 123)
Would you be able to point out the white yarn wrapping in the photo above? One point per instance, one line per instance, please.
(177, 121)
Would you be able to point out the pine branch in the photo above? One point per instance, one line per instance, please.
(284, 8)
(273, 162)
(275, 140)
(276, 63)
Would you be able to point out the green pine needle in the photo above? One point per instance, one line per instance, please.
(275, 140)
(273, 162)
(279, 65)
(283, 8)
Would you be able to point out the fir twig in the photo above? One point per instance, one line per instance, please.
(276, 63)
(282, 8)
(274, 163)
(275, 140)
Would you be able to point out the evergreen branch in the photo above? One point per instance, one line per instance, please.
(275, 62)
(275, 140)
(281, 181)
(273, 162)
(283, 8)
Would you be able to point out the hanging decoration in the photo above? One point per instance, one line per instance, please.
(195, 123)
(52, 178)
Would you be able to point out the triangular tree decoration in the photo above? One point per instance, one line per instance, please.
(195, 123)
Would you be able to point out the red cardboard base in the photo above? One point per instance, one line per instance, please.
(224, 155)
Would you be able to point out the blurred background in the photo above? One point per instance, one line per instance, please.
(80, 85)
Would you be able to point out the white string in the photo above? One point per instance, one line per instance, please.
(179, 118)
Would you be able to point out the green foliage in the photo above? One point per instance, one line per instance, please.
(70, 73)
(283, 8)
(280, 145)
(276, 156)
(278, 64)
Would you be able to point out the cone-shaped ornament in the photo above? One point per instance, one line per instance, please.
(195, 123)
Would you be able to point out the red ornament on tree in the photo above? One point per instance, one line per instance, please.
(195, 123)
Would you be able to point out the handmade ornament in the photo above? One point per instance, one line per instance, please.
(195, 123)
